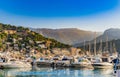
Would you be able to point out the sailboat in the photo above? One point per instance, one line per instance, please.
(102, 61)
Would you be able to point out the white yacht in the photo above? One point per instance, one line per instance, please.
(13, 63)
(103, 62)
(43, 62)
(65, 61)
(82, 63)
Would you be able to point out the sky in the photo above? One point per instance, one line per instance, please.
(93, 15)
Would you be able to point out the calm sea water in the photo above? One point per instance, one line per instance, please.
(61, 72)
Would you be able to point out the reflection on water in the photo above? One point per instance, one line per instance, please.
(49, 72)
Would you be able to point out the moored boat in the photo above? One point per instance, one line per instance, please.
(82, 63)
(102, 63)
(13, 63)
(65, 61)
(43, 62)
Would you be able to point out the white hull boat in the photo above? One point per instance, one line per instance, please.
(82, 63)
(102, 65)
(15, 64)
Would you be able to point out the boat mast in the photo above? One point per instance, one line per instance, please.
(101, 45)
(84, 45)
(106, 43)
(111, 48)
(89, 48)
(95, 44)
(114, 48)
(100, 48)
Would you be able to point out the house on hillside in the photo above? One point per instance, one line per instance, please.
(41, 44)
(22, 32)
(9, 31)
(16, 47)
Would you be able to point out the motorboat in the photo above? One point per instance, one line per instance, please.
(43, 62)
(63, 62)
(103, 62)
(13, 63)
(82, 63)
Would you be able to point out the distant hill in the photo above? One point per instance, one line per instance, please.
(108, 35)
(68, 35)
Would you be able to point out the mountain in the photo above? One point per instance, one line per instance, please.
(108, 35)
(69, 36)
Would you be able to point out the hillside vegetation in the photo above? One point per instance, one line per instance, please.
(17, 38)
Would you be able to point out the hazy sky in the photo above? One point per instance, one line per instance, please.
(95, 15)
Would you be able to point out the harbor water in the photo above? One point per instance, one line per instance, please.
(56, 72)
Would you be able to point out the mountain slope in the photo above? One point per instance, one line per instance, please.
(68, 35)
(108, 35)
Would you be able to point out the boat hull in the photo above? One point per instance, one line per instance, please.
(14, 65)
(102, 65)
(77, 65)
(43, 64)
